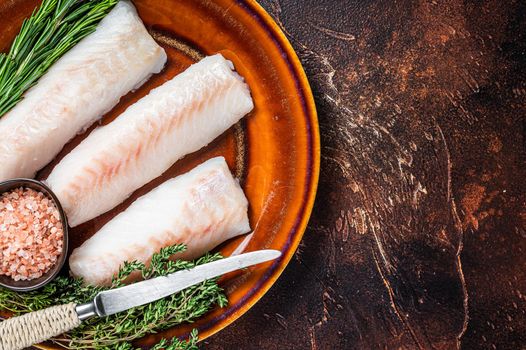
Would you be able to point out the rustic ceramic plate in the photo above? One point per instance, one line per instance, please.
(274, 150)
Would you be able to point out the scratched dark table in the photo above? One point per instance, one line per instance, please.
(418, 235)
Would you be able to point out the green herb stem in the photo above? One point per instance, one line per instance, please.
(121, 330)
(53, 29)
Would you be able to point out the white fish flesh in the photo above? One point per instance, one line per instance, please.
(201, 208)
(77, 90)
(179, 117)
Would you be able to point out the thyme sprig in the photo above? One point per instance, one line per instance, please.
(54, 28)
(120, 330)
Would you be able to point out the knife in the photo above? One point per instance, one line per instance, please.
(23, 331)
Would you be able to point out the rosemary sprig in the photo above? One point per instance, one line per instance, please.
(54, 28)
(120, 330)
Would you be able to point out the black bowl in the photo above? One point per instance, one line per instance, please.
(28, 285)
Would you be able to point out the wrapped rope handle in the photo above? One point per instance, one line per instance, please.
(21, 332)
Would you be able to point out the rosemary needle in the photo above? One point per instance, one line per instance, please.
(54, 28)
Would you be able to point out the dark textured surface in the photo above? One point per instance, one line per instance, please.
(418, 236)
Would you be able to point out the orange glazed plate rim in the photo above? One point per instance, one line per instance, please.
(295, 72)
(265, 21)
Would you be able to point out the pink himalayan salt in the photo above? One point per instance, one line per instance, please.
(31, 234)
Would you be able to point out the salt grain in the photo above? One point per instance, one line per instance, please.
(31, 234)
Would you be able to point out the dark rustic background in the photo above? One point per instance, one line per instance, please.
(418, 236)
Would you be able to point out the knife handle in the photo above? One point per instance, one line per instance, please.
(35, 327)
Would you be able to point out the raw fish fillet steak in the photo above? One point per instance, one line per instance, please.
(179, 117)
(201, 208)
(78, 89)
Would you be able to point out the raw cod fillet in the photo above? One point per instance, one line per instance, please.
(177, 118)
(201, 208)
(78, 89)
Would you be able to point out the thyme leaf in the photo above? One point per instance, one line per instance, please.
(121, 330)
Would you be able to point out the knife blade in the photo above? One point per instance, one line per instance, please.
(120, 299)
(59, 319)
